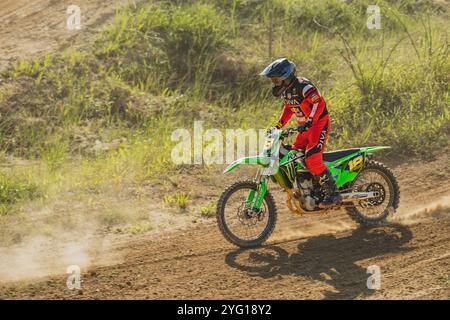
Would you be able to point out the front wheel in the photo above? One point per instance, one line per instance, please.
(238, 223)
(375, 177)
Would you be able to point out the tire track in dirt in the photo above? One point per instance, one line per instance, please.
(202, 265)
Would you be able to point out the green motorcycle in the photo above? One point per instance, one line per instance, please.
(246, 210)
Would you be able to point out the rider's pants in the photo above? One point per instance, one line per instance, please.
(314, 140)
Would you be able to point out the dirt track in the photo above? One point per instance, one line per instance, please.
(312, 257)
(31, 28)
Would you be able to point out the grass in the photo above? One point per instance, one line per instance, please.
(14, 189)
(446, 280)
(359, 296)
(143, 62)
(140, 227)
(178, 199)
(208, 210)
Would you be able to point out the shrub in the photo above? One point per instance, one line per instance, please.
(14, 188)
(178, 199)
(164, 44)
(208, 210)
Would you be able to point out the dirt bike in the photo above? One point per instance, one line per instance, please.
(246, 210)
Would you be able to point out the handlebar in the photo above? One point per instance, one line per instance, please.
(287, 132)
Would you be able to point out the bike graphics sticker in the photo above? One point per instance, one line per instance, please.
(356, 163)
(294, 156)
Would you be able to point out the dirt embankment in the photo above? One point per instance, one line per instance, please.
(32, 28)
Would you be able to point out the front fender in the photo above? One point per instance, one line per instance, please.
(247, 160)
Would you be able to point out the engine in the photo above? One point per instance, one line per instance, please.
(305, 193)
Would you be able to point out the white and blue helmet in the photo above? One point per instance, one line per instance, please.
(282, 68)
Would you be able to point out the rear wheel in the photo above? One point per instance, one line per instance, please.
(238, 223)
(375, 177)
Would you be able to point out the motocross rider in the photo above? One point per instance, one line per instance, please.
(302, 99)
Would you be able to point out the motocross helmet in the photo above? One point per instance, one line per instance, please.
(279, 71)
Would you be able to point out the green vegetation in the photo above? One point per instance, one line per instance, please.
(99, 119)
(446, 280)
(208, 210)
(359, 296)
(178, 199)
(14, 189)
(140, 227)
(162, 65)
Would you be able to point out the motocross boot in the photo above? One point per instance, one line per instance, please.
(328, 185)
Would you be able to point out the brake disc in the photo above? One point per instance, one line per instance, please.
(376, 201)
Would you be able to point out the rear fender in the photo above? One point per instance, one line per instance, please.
(347, 168)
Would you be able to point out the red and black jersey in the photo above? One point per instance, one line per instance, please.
(302, 99)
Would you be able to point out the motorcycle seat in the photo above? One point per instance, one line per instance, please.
(337, 154)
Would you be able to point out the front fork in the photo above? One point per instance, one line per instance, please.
(255, 198)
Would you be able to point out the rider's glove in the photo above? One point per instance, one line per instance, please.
(278, 126)
(272, 129)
